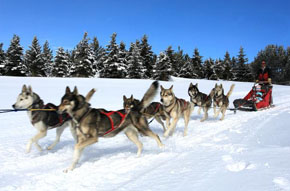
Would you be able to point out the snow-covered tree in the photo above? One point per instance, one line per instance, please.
(98, 54)
(162, 70)
(47, 59)
(135, 65)
(242, 71)
(227, 65)
(172, 66)
(2, 60)
(113, 66)
(83, 59)
(197, 64)
(147, 55)
(14, 59)
(217, 69)
(61, 63)
(208, 68)
(187, 70)
(33, 59)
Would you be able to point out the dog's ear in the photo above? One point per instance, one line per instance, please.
(24, 89)
(171, 88)
(190, 85)
(196, 85)
(221, 85)
(161, 87)
(30, 90)
(76, 92)
(90, 94)
(131, 98)
(124, 98)
(67, 90)
(216, 85)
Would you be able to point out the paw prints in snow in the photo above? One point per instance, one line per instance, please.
(235, 166)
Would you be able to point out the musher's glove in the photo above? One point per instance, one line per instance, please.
(257, 81)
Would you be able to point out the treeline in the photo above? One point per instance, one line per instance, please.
(90, 59)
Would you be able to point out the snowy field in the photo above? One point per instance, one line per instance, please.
(247, 151)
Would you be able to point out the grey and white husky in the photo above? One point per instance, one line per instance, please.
(175, 108)
(220, 100)
(155, 109)
(41, 120)
(200, 99)
(93, 123)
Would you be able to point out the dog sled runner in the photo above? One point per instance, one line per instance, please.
(259, 98)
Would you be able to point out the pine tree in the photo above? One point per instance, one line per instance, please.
(98, 54)
(135, 65)
(187, 70)
(123, 54)
(61, 63)
(172, 66)
(217, 69)
(33, 59)
(147, 54)
(197, 64)
(113, 66)
(243, 71)
(286, 76)
(2, 59)
(181, 60)
(47, 59)
(83, 59)
(208, 68)
(227, 65)
(162, 71)
(14, 63)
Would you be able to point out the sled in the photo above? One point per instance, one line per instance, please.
(249, 104)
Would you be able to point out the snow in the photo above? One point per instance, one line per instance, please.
(246, 151)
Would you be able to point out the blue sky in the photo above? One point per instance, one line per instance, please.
(213, 27)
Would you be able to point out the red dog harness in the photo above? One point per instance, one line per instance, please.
(111, 120)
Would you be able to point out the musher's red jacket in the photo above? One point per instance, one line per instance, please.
(263, 75)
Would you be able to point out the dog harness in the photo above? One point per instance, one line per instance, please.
(111, 120)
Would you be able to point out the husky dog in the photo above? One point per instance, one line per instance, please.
(221, 100)
(200, 99)
(94, 123)
(42, 120)
(155, 109)
(175, 108)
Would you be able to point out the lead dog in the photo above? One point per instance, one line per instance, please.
(200, 99)
(220, 100)
(155, 109)
(94, 123)
(41, 120)
(175, 108)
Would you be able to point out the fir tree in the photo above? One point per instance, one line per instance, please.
(208, 68)
(123, 53)
(197, 64)
(243, 71)
(113, 67)
(162, 71)
(47, 59)
(83, 59)
(147, 54)
(286, 76)
(181, 60)
(135, 66)
(33, 59)
(14, 59)
(98, 53)
(227, 65)
(187, 70)
(217, 69)
(61, 63)
(2, 59)
(172, 66)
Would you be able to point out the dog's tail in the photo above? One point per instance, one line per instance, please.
(149, 95)
(231, 90)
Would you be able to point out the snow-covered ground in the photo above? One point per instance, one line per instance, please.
(247, 151)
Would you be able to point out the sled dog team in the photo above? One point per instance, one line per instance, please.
(87, 124)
